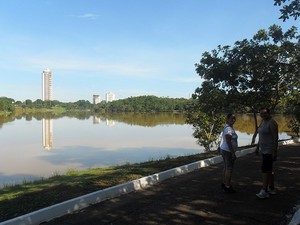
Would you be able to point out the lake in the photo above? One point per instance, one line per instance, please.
(36, 147)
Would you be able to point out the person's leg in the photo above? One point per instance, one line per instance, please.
(271, 189)
(266, 175)
(224, 170)
(228, 165)
(267, 168)
(228, 168)
(228, 174)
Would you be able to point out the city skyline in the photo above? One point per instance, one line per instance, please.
(131, 48)
(47, 89)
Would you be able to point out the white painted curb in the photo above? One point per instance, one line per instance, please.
(72, 205)
(296, 218)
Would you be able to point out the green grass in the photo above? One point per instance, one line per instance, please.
(30, 196)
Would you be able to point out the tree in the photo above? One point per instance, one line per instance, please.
(204, 114)
(6, 104)
(38, 103)
(147, 104)
(253, 73)
(28, 103)
(293, 108)
(207, 128)
(292, 9)
(83, 105)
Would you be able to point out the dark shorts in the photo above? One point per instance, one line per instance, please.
(227, 159)
(267, 163)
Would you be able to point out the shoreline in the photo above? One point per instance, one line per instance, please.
(48, 192)
(83, 201)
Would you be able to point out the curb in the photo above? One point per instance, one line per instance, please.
(296, 218)
(72, 205)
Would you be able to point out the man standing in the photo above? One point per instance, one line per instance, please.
(267, 145)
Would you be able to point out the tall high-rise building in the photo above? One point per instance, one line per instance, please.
(110, 97)
(47, 85)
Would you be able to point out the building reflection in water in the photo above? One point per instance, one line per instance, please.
(48, 130)
(47, 134)
(110, 123)
(96, 120)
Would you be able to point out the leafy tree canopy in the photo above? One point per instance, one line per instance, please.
(253, 73)
(290, 8)
(6, 104)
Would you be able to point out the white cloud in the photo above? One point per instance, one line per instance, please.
(89, 16)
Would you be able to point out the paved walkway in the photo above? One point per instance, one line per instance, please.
(197, 198)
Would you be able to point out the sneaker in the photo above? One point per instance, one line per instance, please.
(272, 191)
(262, 194)
(229, 190)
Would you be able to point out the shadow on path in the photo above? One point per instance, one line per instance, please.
(197, 198)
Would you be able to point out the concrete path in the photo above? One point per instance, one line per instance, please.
(197, 198)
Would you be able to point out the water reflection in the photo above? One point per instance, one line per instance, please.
(81, 141)
(96, 120)
(110, 123)
(47, 129)
(47, 133)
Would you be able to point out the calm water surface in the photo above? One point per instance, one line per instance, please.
(31, 149)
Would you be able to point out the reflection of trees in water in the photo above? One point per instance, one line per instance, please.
(148, 119)
(81, 115)
(6, 119)
(244, 123)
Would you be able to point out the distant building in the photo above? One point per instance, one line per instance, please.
(110, 97)
(47, 85)
(96, 99)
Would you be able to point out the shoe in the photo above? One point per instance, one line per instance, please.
(229, 190)
(263, 194)
(272, 191)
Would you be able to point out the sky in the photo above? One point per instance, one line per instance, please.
(127, 47)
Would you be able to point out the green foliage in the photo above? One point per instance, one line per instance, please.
(293, 108)
(54, 105)
(132, 104)
(209, 98)
(253, 73)
(144, 104)
(204, 114)
(294, 125)
(290, 9)
(6, 105)
(207, 128)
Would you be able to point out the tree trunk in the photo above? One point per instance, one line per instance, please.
(256, 127)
